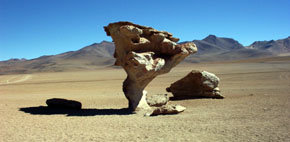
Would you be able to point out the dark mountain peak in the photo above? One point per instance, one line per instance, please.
(271, 41)
(214, 39)
(210, 37)
(104, 49)
(94, 44)
(219, 43)
(16, 60)
(104, 41)
(259, 42)
(44, 57)
(280, 46)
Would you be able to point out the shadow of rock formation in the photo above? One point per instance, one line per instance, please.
(44, 110)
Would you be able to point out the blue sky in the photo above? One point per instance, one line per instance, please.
(32, 28)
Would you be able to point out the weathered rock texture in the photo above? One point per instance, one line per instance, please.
(157, 100)
(63, 103)
(196, 84)
(166, 109)
(144, 53)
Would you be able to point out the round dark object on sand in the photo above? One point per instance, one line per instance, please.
(63, 103)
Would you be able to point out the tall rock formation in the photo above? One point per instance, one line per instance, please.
(144, 53)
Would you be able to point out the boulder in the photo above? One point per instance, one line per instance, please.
(196, 84)
(157, 100)
(63, 103)
(144, 53)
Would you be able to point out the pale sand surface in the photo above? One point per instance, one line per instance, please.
(262, 116)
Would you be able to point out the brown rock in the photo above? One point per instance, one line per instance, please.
(144, 53)
(157, 100)
(195, 85)
(166, 109)
(63, 103)
(173, 38)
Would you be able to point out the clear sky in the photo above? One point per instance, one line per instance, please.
(32, 28)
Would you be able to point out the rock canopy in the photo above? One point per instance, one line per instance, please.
(196, 84)
(144, 53)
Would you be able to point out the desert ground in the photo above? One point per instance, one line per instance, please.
(255, 108)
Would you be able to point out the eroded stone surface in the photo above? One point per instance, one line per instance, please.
(157, 100)
(144, 53)
(196, 84)
(166, 109)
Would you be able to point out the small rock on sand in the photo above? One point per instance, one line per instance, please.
(166, 109)
(63, 103)
(157, 100)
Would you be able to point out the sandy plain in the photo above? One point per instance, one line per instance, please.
(256, 107)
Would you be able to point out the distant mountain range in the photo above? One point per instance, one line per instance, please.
(214, 48)
(98, 55)
(88, 58)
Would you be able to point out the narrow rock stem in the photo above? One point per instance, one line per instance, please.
(135, 94)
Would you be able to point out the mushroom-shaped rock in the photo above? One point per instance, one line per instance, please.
(196, 84)
(144, 53)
